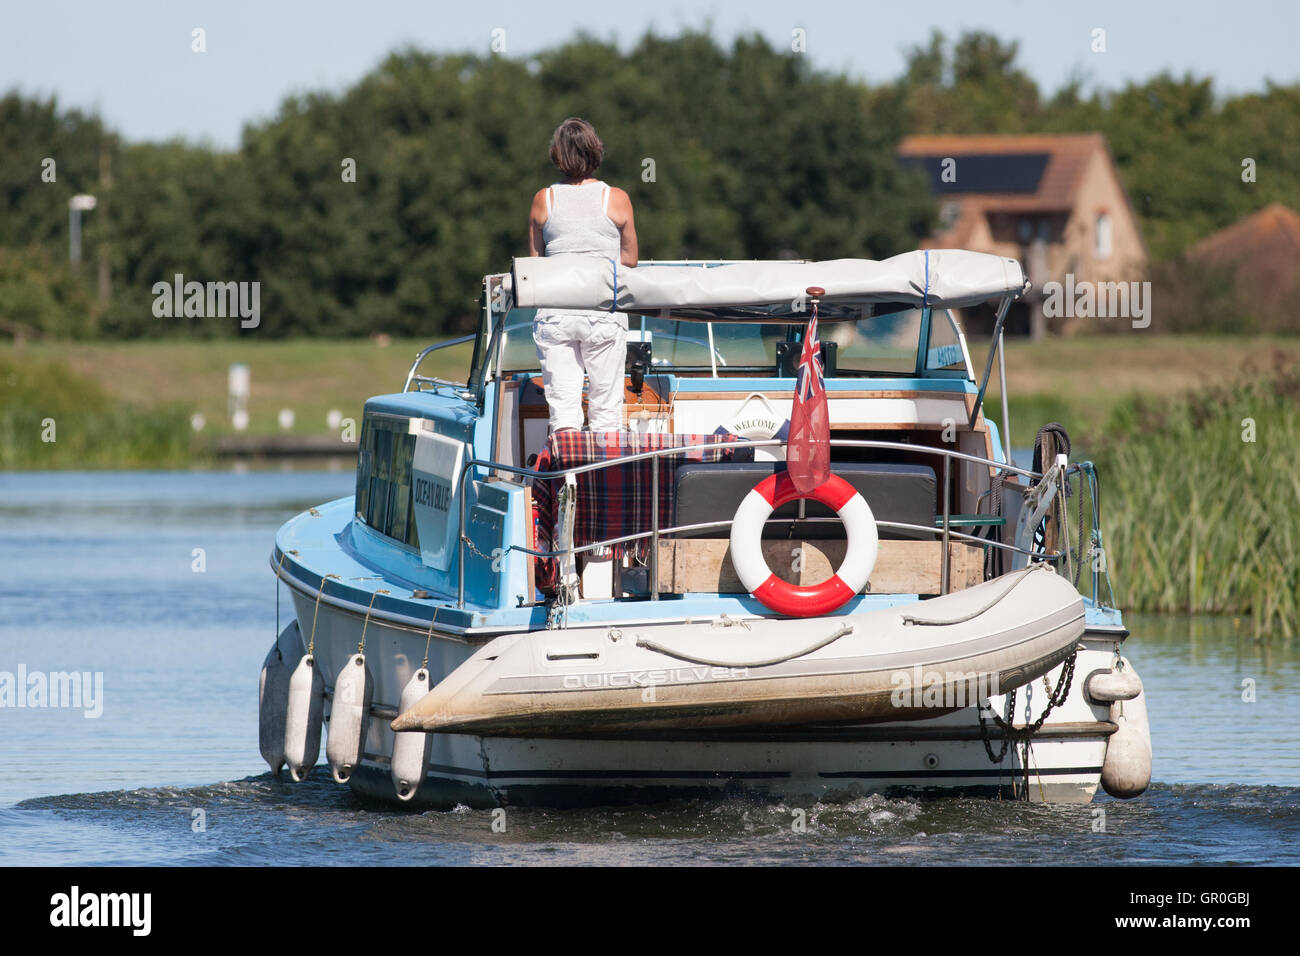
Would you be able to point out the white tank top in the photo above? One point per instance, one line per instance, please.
(577, 222)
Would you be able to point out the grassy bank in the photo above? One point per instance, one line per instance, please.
(1082, 381)
(309, 376)
(52, 418)
(1078, 381)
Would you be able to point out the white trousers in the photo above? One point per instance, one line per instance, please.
(569, 343)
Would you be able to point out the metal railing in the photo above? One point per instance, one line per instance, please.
(424, 353)
(944, 530)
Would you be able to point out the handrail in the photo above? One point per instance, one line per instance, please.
(424, 353)
(1049, 556)
(743, 443)
(655, 531)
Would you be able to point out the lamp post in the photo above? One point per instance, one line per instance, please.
(76, 206)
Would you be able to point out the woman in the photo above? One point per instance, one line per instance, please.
(585, 216)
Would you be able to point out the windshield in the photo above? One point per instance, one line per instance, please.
(879, 345)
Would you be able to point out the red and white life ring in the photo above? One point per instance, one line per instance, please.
(792, 599)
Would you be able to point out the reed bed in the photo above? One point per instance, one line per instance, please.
(1199, 517)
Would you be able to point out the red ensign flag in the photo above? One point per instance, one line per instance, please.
(808, 452)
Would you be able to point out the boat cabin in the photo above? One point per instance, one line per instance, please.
(462, 493)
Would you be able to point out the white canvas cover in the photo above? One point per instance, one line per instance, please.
(941, 278)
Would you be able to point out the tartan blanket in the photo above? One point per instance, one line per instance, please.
(614, 501)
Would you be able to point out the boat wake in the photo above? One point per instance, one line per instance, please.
(263, 820)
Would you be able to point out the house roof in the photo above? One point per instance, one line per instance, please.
(1263, 249)
(1273, 231)
(1053, 190)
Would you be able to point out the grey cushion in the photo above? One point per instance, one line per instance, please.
(713, 492)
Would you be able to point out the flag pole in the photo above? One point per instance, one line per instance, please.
(814, 293)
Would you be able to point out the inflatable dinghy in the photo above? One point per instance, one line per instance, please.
(910, 662)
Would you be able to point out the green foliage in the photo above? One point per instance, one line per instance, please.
(43, 296)
(755, 153)
(32, 209)
(41, 400)
(1198, 518)
(175, 209)
(975, 89)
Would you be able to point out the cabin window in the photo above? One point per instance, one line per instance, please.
(384, 459)
(944, 351)
(881, 344)
(676, 344)
(1103, 236)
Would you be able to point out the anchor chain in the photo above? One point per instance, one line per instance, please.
(1056, 698)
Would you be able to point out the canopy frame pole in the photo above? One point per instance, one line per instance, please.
(1003, 305)
(713, 355)
(1002, 384)
(652, 571)
(944, 570)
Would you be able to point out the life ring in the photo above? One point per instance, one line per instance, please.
(792, 599)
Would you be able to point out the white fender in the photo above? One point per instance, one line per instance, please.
(1107, 686)
(349, 717)
(273, 703)
(1126, 771)
(303, 722)
(411, 748)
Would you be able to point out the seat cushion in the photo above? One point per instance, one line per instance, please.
(713, 492)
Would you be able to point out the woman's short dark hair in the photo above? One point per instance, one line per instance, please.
(576, 148)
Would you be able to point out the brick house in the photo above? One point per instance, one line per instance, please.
(1055, 202)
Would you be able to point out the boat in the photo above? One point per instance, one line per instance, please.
(501, 616)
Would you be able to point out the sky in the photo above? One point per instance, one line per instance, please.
(132, 60)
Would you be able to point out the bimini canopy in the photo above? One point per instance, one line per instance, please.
(758, 291)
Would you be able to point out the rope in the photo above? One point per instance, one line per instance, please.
(1019, 577)
(278, 566)
(320, 592)
(652, 646)
(1051, 439)
(1071, 559)
(1061, 437)
(429, 640)
(1079, 555)
(361, 647)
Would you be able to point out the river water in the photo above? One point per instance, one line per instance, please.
(159, 582)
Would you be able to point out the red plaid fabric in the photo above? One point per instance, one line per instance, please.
(614, 501)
